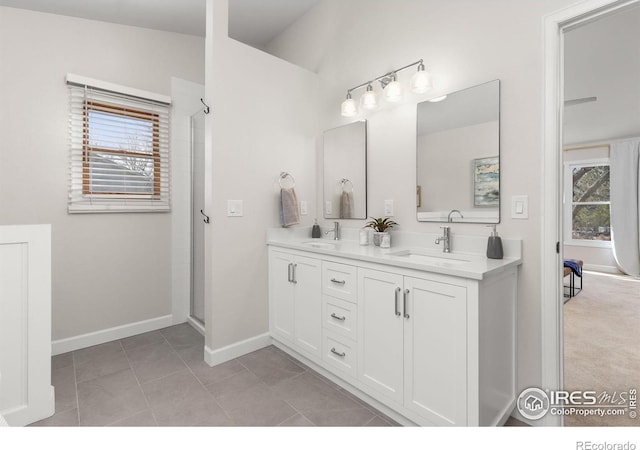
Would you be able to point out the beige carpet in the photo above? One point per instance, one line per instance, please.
(601, 345)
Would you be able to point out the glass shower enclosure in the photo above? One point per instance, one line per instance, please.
(197, 217)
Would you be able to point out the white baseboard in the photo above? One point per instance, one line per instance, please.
(110, 334)
(224, 354)
(599, 268)
(196, 324)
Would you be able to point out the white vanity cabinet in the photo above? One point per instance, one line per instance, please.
(419, 360)
(295, 300)
(435, 348)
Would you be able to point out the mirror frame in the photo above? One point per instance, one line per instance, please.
(489, 221)
(336, 216)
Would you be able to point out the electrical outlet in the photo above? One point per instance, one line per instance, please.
(328, 207)
(388, 208)
(303, 208)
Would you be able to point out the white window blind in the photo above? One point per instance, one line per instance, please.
(119, 152)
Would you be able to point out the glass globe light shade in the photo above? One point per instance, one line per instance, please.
(421, 81)
(349, 107)
(393, 91)
(369, 99)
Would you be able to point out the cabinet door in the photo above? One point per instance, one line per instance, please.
(281, 295)
(435, 337)
(307, 275)
(380, 335)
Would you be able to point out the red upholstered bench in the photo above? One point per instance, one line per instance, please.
(572, 289)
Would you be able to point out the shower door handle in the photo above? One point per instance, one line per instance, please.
(206, 218)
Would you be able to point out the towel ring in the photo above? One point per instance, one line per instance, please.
(344, 182)
(284, 176)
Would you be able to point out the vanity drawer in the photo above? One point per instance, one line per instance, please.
(339, 317)
(340, 353)
(339, 280)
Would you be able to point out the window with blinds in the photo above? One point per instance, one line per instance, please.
(119, 151)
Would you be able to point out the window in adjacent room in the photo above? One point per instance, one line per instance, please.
(119, 151)
(587, 201)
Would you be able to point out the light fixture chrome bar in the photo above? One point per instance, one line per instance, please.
(388, 74)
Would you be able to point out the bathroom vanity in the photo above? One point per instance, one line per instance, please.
(427, 337)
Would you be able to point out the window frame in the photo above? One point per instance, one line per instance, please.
(568, 202)
(124, 104)
(87, 149)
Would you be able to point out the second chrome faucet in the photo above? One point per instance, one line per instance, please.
(446, 239)
(335, 231)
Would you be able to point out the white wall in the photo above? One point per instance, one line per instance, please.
(263, 122)
(463, 43)
(108, 269)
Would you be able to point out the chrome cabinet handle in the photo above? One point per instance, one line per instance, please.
(341, 355)
(289, 271)
(333, 280)
(295, 266)
(338, 318)
(395, 303)
(404, 303)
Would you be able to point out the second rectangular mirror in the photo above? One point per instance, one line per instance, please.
(458, 156)
(345, 172)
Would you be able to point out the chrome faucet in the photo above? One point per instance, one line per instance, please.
(449, 219)
(446, 239)
(335, 231)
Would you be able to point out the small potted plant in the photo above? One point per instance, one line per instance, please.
(380, 227)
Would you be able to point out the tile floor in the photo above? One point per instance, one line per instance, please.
(159, 379)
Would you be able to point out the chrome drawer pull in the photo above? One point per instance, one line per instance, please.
(397, 312)
(404, 305)
(333, 280)
(341, 355)
(338, 318)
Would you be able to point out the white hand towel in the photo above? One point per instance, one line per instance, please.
(289, 214)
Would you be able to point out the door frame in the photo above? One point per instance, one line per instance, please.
(555, 25)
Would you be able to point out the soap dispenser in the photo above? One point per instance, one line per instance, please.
(315, 230)
(494, 245)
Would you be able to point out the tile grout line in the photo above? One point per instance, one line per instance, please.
(198, 379)
(75, 385)
(146, 400)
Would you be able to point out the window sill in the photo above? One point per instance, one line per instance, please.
(586, 243)
(114, 208)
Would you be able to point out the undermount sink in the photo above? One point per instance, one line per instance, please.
(423, 257)
(319, 244)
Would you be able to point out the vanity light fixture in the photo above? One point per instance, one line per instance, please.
(349, 107)
(392, 89)
(369, 99)
(421, 80)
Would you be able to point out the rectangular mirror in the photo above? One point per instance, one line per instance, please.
(458, 156)
(345, 172)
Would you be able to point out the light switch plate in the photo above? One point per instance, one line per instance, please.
(303, 208)
(520, 207)
(388, 208)
(234, 208)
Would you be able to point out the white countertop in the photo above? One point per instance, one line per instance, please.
(468, 262)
